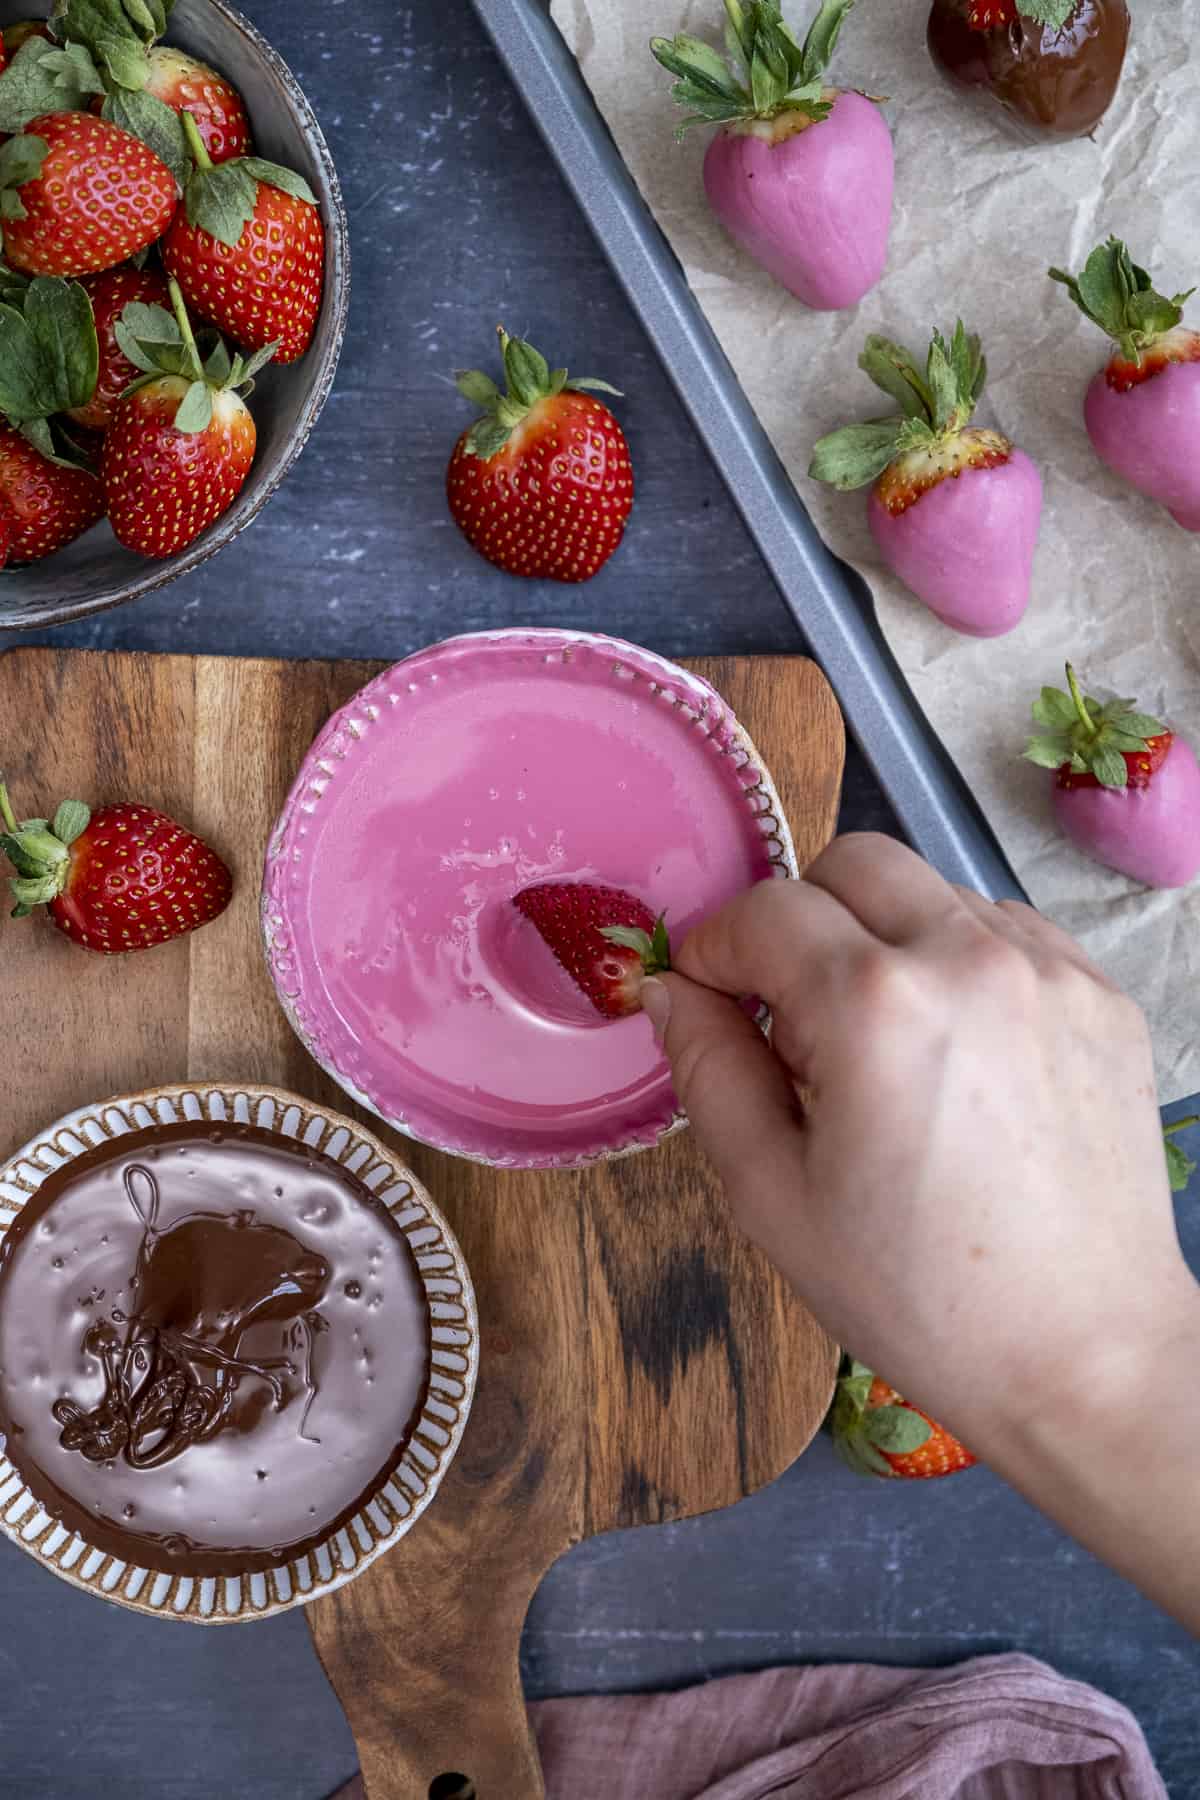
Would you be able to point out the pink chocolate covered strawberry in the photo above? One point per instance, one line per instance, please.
(1142, 410)
(799, 173)
(954, 509)
(607, 940)
(1127, 790)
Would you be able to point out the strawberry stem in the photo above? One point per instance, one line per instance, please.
(185, 327)
(6, 811)
(1077, 696)
(1181, 1125)
(195, 142)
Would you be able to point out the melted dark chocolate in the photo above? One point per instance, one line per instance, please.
(191, 1323)
(1050, 83)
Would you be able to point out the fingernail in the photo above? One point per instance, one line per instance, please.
(656, 1003)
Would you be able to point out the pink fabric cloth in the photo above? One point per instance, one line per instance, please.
(999, 1728)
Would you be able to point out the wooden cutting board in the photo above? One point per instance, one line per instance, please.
(639, 1361)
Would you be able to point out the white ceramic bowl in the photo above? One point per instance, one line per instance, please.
(395, 1505)
(368, 748)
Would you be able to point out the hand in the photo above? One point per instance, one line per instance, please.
(972, 1195)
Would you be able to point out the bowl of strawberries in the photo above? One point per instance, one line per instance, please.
(174, 282)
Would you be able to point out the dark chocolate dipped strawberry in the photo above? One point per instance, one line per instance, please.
(1052, 65)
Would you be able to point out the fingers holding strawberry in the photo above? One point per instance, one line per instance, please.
(247, 248)
(122, 878)
(181, 440)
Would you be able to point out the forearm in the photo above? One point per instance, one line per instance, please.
(1116, 1462)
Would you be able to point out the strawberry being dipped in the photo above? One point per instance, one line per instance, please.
(607, 940)
(1127, 789)
(110, 293)
(1142, 410)
(181, 441)
(953, 509)
(247, 247)
(879, 1433)
(78, 194)
(799, 173)
(1052, 66)
(122, 878)
(542, 484)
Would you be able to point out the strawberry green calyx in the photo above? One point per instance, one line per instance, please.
(1090, 736)
(1117, 295)
(861, 1436)
(654, 947)
(529, 380)
(935, 404)
(1054, 13)
(39, 851)
(49, 353)
(1180, 1166)
(221, 198)
(158, 342)
(765, 71)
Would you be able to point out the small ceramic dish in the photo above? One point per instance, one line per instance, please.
(474, 769)
(95, 571)
(145, 1378)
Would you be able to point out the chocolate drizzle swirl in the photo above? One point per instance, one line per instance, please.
(156, 1402)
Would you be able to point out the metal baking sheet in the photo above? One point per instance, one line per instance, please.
(831, 603)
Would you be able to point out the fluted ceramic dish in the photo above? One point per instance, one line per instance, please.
(393, 1506)
(368, 749)
(95, 571)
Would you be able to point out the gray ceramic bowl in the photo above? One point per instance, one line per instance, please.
(95, 571)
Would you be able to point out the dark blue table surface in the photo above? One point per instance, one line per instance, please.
(459, 220)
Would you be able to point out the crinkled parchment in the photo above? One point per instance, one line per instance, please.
(978, 220)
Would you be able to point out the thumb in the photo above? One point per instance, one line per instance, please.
(737, 1094)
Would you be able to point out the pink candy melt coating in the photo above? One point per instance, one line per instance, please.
(1151, 436)
(966, 546)
(815, 208)
(1151, 833)
(453, 781)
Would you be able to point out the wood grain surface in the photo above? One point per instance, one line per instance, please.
(639, 1361)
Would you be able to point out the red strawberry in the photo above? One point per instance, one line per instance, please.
(180, 443)
(110, 293)
(96, 197)
(608, 941)
(991, 15)
(47, 504)
(879, 1433)
(184, 84)
(542, 484)
(248, 249)
(122, 878)
(1126, 791)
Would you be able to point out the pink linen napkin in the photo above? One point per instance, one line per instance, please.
(999, 1728)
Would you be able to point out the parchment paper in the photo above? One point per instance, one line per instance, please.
(978, 220)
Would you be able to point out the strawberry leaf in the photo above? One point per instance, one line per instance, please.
(195, 409)
(1047, 752)
(897, 1429)
(891, 368)
(250, 365)
(1116, 294)
(527, 371)
(1054, 13)
(822, 37)
(479, 388)
(855, 455)
(221, 200)
(1054, 708)
(1180, 1166)
(49, 355)
(276, 176)
(21, 159)
(587, 384)
(156, 124)
(41, 78)
(1108, 766)
(1139, 725)
(71, 820)
(862, 1456)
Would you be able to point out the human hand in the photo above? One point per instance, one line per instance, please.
(972, 1197)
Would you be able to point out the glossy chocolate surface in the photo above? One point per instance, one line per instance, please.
(213, 1346)
(1050, 83)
